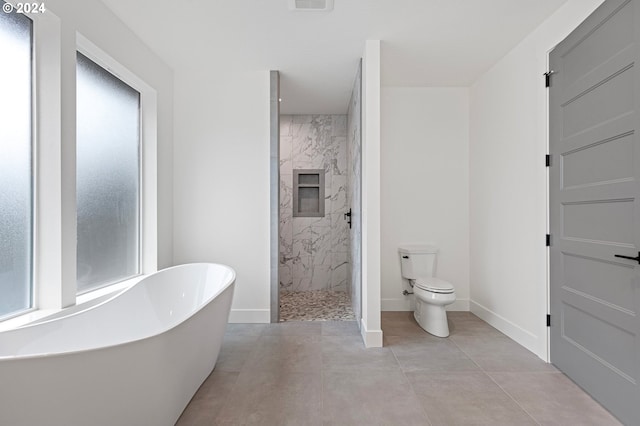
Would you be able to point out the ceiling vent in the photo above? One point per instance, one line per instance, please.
(311, 5)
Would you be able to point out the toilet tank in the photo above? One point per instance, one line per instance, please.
(418, 260)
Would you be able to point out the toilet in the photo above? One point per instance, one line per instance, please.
(418, 264)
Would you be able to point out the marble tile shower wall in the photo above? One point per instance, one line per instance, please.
(314, 251)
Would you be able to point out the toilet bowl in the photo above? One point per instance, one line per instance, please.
(432, 294)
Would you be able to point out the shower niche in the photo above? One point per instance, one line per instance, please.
(308, 193)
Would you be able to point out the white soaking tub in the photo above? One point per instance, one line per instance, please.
(135, 359)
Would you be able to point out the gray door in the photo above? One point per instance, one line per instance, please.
(594, 207)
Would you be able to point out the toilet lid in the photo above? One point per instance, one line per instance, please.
(434, 284)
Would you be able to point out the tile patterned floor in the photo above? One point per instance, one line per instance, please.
(315, 306)
(319, 373)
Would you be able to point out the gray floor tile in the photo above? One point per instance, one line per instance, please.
(286, 353)
(347, 353)
(273, 398)
(467, 324)
(273, 374)
(208, 401)
(553, 399)
(499, 353)
(375, 398)
(462, 316)
(429, 354)
(293, 328)
(245, 329)
(340, 328)
(400, 324)
(235, 351)
(466, 398)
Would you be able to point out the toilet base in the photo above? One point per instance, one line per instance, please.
(432, 318)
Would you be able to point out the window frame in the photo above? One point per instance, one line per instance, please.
(147, 173)
(54, 232)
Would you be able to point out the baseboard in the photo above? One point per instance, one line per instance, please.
(406, 304)
(513, 331)
(371, 338)
(250, 316)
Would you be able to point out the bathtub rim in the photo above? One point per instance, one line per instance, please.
(226, 286)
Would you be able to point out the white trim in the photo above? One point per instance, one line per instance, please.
(406, 304)
(48, 252)
(371, 187)
(20, 320)
(515, 332)
(110, 289)
(100, 57)
(371, 338)
(149, 178)
(250, 316)
(547, 331)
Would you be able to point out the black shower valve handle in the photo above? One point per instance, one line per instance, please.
(347, 217)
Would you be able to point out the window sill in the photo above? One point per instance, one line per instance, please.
(90, 296)
(83, 302)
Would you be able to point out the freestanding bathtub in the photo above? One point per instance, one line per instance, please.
(135, 359)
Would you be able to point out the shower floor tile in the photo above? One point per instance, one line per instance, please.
(315, 306)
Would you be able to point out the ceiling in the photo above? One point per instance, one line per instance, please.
(431, 43)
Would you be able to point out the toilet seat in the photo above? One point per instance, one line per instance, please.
(434, 285)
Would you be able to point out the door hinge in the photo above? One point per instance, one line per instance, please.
(547, 78)
(548, 320)
(547, 160)
(548, 240)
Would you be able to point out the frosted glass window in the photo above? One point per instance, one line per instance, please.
(15, 164)
(107, 177)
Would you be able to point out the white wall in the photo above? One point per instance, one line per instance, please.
(221, 169)
(508, 198)
(425, 185)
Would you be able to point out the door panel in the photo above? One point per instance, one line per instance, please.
(595, 208)
(586, 274)
(598, 47)
(583, 220)
(609, 99)
(604, 161)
